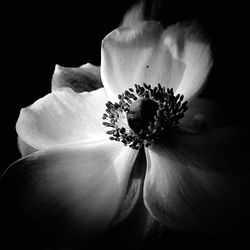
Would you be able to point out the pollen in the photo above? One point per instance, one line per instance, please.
(143, 115)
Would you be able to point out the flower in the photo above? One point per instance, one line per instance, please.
(73, 179)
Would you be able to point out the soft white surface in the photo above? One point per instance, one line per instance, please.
(176, 58)
(62, 117)
(84, 183)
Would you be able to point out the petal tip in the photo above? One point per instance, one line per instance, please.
(58, 69)
(134, 15)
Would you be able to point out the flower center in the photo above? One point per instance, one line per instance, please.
(143, 115)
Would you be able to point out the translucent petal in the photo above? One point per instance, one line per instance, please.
(186, 43)
(62, 117)
(72, 191)
(200, 182)
(134, 15)
(176, 58)
(24, 148)
(134, 55)
(84, 78)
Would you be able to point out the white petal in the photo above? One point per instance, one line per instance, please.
(134, 15)
(187, 44)
(68, 191)
(85, 78)
(176, 58)
(200, 182)
(134, 55)
(61, 117)
(133, 222)
(24, 148)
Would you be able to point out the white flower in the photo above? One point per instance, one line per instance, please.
(73, 174)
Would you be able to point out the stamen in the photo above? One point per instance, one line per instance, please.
(143, 115)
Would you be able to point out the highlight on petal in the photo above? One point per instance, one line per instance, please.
(177, 58)
(66, 193)
(200, 182)
(186, 43)
(84, 78)
(62, 117)
(138, 54)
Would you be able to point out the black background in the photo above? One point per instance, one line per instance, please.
(36, 36)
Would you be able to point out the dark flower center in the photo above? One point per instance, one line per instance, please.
(141, 113)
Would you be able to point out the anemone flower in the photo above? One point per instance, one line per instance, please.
(79, 147)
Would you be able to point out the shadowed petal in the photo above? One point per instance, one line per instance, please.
(133, 223)
(84, 78)
(66, 192)
(137, 54)
(200, 182)
(205, 114)
(61, 117)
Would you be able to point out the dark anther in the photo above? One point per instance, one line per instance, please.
(150, 112)
(141, 113)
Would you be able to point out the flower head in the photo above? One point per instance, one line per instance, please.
(142, 116)
(73, 179)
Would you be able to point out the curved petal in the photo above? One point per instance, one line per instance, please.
(200, 182)
(204, 114)
(134, 15)
(24, 148)
(133, 222)
(188, 45)
(66, 192)
(176, 58)
(134, 55)
(61, 117)
(85, 78)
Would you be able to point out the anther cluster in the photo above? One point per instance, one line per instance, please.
(167, 109)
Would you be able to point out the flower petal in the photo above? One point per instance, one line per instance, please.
(134, 15)
(134, 55)
(206, 114)
(24, 148)
(200, 182)
(63, 116)
(176, 58)
(85, 78)
(67, 191)
(187, 44)
(133, 223)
